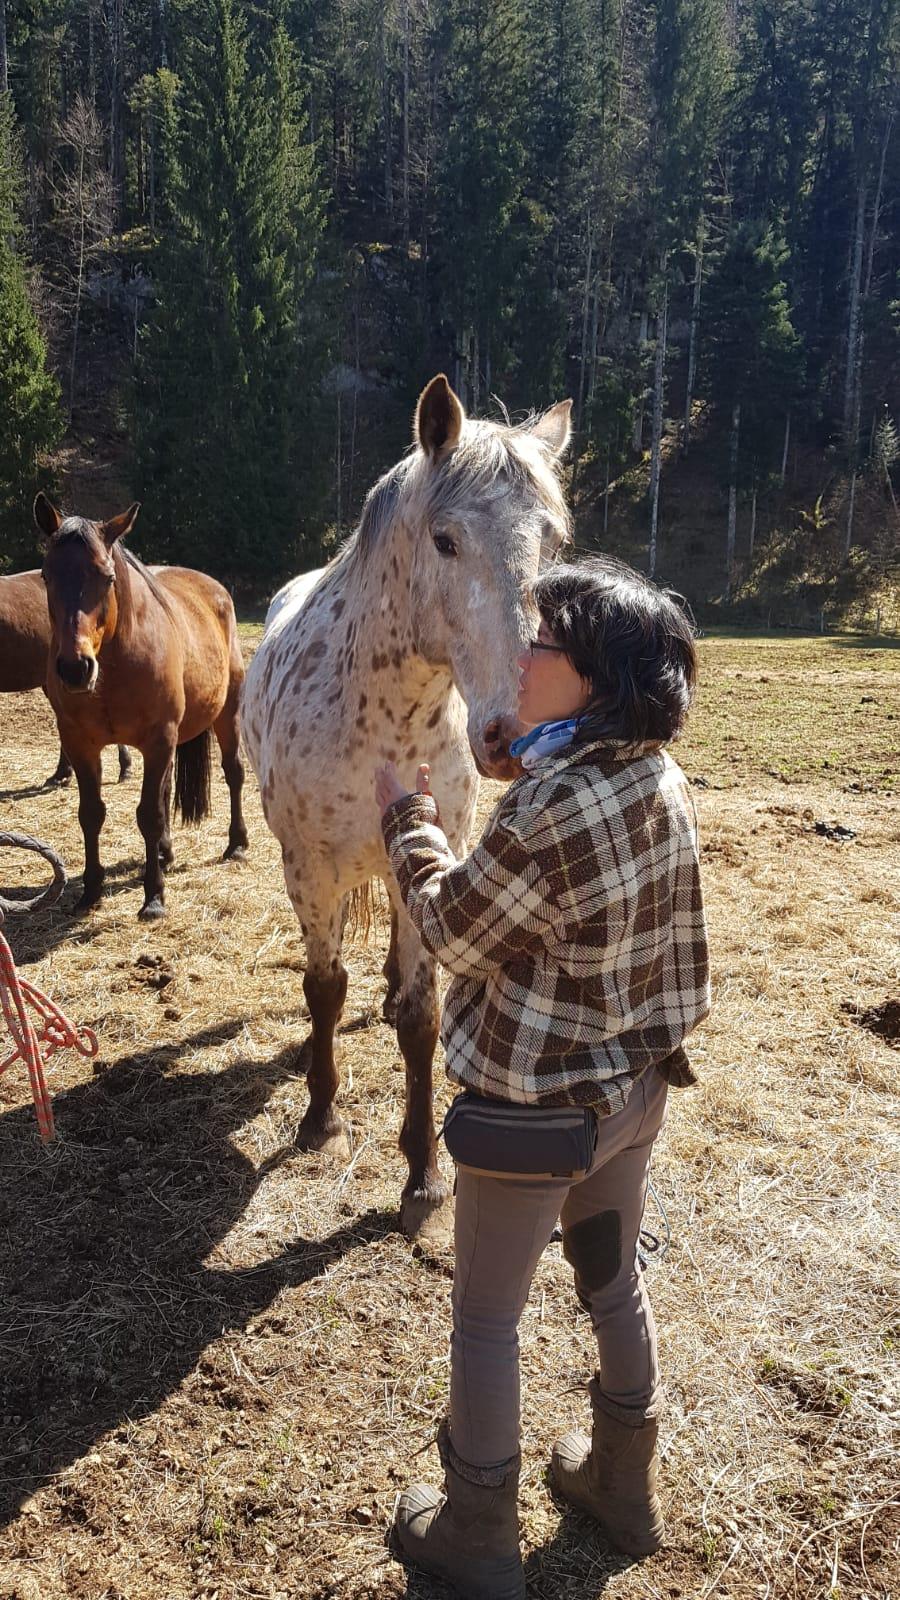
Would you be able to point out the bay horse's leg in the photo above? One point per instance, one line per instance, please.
(424, 1208)
(325, 987)
(166, 852)
(91, 815)
(153, 822)
(227, 729)
(124, 762)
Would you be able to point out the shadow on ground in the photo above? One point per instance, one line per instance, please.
(105, 1305)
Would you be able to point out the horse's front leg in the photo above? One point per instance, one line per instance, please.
(63, 770)
(91, 815)
(325, 988)
(153, 822)
(425, 1210)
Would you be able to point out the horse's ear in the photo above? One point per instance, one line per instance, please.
(117, 527)
(46, 517)
(439, 418)
(554, 427)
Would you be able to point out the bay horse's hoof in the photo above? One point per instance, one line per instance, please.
(89, 902)
(236, 852)
(56, 780)
(426, 1216)
(152, 911)
(331, 1137)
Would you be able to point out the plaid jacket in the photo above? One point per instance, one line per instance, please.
(574, 932)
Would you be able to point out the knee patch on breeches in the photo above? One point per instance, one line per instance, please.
(593, 1248)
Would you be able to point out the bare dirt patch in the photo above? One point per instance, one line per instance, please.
(219, 1359)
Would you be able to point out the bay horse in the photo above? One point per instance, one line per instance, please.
(403, 649)
(24, 649)
(149, 658)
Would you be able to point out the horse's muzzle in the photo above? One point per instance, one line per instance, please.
(79, 675)
(493, 760)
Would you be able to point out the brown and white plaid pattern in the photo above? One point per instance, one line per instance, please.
(574, 932)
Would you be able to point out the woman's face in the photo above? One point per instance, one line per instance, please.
(550, 690)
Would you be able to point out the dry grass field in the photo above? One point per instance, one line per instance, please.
(219, 1359)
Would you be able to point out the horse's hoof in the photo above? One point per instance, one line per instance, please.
(58, 780)
(331, 1138)
(152, 911)
(86, 905)
(237, 853)
(427, 1218)
(124, 774)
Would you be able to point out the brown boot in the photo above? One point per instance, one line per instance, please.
(470, 1534)
(613, 1474)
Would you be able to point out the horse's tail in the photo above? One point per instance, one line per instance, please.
(192, 778)
(365, 909)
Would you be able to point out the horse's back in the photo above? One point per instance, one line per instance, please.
(291, 596)
(24, 631)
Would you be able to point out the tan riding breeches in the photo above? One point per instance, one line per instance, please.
(503, 1225)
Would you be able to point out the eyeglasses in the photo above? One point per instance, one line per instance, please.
(553, 649)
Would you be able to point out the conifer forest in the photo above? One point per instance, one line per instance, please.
(236, 240)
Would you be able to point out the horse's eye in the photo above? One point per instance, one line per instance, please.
(444, 545)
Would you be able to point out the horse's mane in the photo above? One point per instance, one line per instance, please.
(156, 589)
(486, 458)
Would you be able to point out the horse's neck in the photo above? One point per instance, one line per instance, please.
(379, 598)
(133, 596)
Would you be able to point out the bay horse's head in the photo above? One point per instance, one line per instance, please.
(80, 577)
(491, 511)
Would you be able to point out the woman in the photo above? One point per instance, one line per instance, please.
(576, 941)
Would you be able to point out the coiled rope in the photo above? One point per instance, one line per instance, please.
(36, 1046)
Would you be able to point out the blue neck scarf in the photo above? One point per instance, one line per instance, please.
(547, 739)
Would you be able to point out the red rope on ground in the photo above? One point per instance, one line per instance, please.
(35, 1047)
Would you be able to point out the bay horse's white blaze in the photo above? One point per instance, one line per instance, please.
(404, 649)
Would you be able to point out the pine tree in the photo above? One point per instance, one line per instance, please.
(752, 357)
(224, 376)
(30, 420)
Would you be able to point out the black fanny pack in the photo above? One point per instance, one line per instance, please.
(529, 1141)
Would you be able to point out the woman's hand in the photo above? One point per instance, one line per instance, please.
(389, 789)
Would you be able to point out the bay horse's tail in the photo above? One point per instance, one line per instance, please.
(192, 778)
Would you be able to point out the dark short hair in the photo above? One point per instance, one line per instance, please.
(632, 642)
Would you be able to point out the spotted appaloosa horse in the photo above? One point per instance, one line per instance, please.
(24, 648)
(151, 658)
(403, 650)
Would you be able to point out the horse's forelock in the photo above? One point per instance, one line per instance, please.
(489, 458)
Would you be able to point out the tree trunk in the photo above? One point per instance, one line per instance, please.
(692, 346)
(851, 507)
(784, 453)
(386, 117)
(585, 312)
(753, 519)
(79, 280)
(117, 107)
(853, 311)
(638, 435)
(731, 538)
(406, 29)
(659, 382)
(4, 63)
